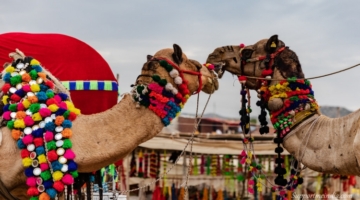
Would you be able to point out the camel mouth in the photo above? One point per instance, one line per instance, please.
(219, 68)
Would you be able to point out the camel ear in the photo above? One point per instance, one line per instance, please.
(177, 55)
(272, 44)
(149, 57)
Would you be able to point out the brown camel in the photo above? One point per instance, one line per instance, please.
(101, 139)
(329, 145)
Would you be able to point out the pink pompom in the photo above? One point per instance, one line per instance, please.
(57, 98)
(45, 112)
(251, 190)
(28, 121)
(28, 139)
(32, 191)
(20, 106)
(69, 154)
(242, 45)
(44, 166)
(251, 182)
(26, 88)
(31, 181)
(211, 67)
(7, 115)
(49, 136)
(63, 105)
(67, 179)
(282, 192)
(243, 153)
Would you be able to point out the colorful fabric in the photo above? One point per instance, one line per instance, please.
(91, 85)
(40, 121)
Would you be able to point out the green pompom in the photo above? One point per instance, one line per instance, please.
(51, 145)
(46, 175)
(34, 108)
(162, 82)
(49, 94)
(13, 107)
(169, 68)
(240, 177)
(33, 74)
(15, 80)
(34, 198)
(10, 124)
(75, 173)
(262, 176)
(139, 89)
(66, 114)
(67, 144)
(156, 78)
(307, 82)
(163, 63)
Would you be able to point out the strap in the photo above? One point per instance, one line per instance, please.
(5, 192)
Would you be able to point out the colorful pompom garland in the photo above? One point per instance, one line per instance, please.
(40, 121)
(162, 97)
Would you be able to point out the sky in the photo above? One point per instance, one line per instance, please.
(324, 34)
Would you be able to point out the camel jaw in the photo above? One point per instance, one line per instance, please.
(219, 68)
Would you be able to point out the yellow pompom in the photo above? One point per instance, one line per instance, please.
(34, 62)
(42, 159)
(186, 96)
(76, 111)
(177, 114)
(69, 105)
(36, 117)
(248, 161)
(57, 176)
(27, 162)
(26, 103)
(10, 69)
(53, 108)
(35, 88)
(4, 99)
(181, 105)
(19, 123)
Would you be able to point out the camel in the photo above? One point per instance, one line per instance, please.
(323, 144)
(104, 138)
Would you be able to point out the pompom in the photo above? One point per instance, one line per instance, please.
(50, 84)
(52, 155)
(178, 80)
(42, 158)
(15, 134)
(15, 80)
(169, 87)
(50, 126)
(67, 179)
(67, 124)
(162, 82)
(13, 107)
(36, 117)
(72, 116)
(56, 166)
(34, 108)
(35, 88)
(174, 91)
(24, 153)
(51, 192)
(75, 174)
(41, 96)
(19, 123)
(20, 106)
(28, 121)
(46, 175)
(33, 99)
(49, 93)
(44, 112)
(6, 115)
(241, 45)
(49, 136)
(38, 142)
(50, 102)
(27, 139)
(57, 175)
(72, 166)
(6, 88)
(20, 144)
(174, 73)
(69, 154)
(29, 172)
(15, 97)
(58, 186)
(67, 144)
(32, 191)
(66, 133)
(31, 181)
(63, 96)
(26, 162)
(51, 145)
(38, 133)
(44, 166)
(59, 120)
(44, 196)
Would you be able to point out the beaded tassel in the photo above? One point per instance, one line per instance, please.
(140, 170)
(202, 165)
(195, 167)
(146, 165)
(133, 165)
(153, 164)
(213, 165)
(208, 164)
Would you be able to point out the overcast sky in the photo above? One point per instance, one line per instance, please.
(324, 34)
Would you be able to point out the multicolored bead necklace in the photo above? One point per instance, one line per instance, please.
(162, 97)
(40, 121)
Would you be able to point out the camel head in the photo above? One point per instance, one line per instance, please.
(197, 76)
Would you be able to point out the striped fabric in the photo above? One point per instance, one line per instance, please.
(91, 85)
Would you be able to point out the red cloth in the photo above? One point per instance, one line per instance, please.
(68, 59)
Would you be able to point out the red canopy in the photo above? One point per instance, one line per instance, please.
(92, 84)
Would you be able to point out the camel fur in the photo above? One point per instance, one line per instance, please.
(328, 145)
(104, 138)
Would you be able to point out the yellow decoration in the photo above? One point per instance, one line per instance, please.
(76, 111)
(10, 69)
(35, 88)
(53, 107)
(57, 176)
(19, 123)
(26, 103)
(42, 159)
(36, 117)
(34, 62)
(4, 99)
(186, 96)
(248, 161)
(273, 45)
(181, 105)
(26, 162)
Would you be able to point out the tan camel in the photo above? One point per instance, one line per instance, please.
(101, 139)
(329, 145)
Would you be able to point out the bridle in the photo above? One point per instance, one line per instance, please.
(181, 71)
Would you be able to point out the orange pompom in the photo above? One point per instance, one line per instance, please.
(15, 134)
(66, 133)
(26, 77)
(44, 196)
(33, 99)
(42, 75)
(59, 120)
(20, 115)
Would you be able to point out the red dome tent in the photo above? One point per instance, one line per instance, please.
(78, 66)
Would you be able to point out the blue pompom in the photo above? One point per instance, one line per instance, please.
(67, 123)
(6, 107)
(63, 96)
(20, 93)
(60, 111)
(43, 88)
(51, 192)
(29, 172)
(72, 166)
(38, 132)
(20, 144)
(7, 77)
(37, 68)
(56, 165)
(41, 96)
(40, 150)
(50, 126)
(92, 179)
(48, 184)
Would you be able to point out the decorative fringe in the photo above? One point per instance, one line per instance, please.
(146, 165)
(153, 164)
(213, 165)
(196, 166)
(133, 165)
(140, 169)
(158, 164)
(218, 166)
(202, 165)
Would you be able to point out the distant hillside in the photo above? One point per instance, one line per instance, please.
(333, 111)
